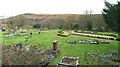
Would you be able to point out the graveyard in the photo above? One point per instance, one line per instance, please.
(60, 33)
(40, 46)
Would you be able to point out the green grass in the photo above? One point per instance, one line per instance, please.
(45, 38)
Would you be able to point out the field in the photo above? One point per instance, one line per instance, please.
(45, 39)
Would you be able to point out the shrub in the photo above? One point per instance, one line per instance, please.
(37, 25)
(75, 30)
(118, 38)
(114, 35)
(5, 33)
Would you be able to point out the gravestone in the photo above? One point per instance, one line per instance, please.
(82, 41)
(72, 42)
(19, 46)
(104, 42)
(55, 44)
(9, 36)
(55, 51)
(3, 29)
(94, 42)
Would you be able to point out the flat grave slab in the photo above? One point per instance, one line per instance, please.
(72, 42)
(93, 41)
(83, 41)
(9, 36)
(68, 62)
(104, 42)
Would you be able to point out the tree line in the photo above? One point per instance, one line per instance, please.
(108, 21)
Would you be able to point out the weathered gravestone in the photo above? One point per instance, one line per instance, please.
(55, 50)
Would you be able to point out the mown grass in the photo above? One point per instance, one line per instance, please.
(45, 38)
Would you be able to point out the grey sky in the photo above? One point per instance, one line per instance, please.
(15, 7)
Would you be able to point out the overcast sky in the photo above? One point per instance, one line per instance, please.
(15, 7)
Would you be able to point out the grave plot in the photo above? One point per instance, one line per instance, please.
(9, 36)
(91, 58)
(104, 42)
(94, 41)
(68, 62)
(50, 54)
(109, 58)
(72, 42)
(83, 41)
(14, 56)
(28, 55)
(87, 42)
(115, 55)
(13, 35)
(20, 34)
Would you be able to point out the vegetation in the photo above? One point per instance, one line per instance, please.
(37, 25)
(45, 38)
(16, 22)
(87, 23)
(60, 21)
(111, 14)
(60, 32)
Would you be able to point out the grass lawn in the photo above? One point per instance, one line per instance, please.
(45, 38)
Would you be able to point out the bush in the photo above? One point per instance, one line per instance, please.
(5, 33)
(37, 25)
(78, 31)
(114, 35)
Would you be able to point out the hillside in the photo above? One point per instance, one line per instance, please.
(61, 20)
